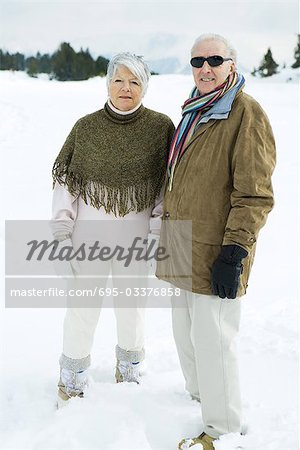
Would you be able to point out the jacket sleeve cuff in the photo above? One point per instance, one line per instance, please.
(240, 237)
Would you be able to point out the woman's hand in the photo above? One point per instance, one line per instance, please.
(64, 266)
(152, 245)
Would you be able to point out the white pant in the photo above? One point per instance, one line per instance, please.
(80, 323)
(204, 329)
(92, 225)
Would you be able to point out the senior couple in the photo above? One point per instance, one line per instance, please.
(126, 164)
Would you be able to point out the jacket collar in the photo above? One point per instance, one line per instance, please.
(219, 111)
(223, 106)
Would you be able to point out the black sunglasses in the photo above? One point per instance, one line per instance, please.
(213, 61)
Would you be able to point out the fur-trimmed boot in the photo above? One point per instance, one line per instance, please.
(128, 365)
(73, 379)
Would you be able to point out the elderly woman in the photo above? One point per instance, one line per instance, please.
(111, 168)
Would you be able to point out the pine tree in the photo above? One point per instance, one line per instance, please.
(268, 66)
(32, 66)
(6, 61)
(101, 64)
(45, 65)
(14, 61)
(84, 65)
(296, 64)
(63, 62)
(2, 60)
(17, 61)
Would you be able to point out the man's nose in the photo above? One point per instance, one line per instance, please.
(206, 67)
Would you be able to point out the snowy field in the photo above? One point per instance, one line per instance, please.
(35, 117)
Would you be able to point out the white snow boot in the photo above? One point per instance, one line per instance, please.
(71, 384)
(128, 372)
(128, 365)
(73, 379)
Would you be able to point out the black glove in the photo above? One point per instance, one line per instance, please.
(226, 271)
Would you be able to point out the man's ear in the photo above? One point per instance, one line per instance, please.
(232, 67)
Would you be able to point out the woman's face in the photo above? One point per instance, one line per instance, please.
(125, 89)
(208, 78)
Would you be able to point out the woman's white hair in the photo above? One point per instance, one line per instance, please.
(216, 37)
(134, 63)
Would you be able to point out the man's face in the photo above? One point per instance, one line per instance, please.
(208, 78)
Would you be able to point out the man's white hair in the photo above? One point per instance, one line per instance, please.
(134, 63)
(216, 37)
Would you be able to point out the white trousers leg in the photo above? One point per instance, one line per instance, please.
(204, 329)
(181, 321)
(130, 328)
(79, 329)
(130, 309)
(80, 323)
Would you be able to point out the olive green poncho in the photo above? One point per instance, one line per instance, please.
(115, 161)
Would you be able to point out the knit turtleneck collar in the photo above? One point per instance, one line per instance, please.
(123, 113)
(122, 119)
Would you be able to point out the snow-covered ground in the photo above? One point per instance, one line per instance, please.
(35, 117)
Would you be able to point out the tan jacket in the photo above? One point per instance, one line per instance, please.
(223, 186)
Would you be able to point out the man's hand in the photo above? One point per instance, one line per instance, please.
(226, 271)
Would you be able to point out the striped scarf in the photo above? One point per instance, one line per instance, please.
(192, 110)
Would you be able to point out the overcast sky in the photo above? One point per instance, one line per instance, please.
(154, 29)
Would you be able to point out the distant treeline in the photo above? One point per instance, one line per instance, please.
(65, 64)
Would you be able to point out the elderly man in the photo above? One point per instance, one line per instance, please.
(220, 166)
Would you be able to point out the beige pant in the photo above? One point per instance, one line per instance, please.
(204, 329)
(80, 323)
